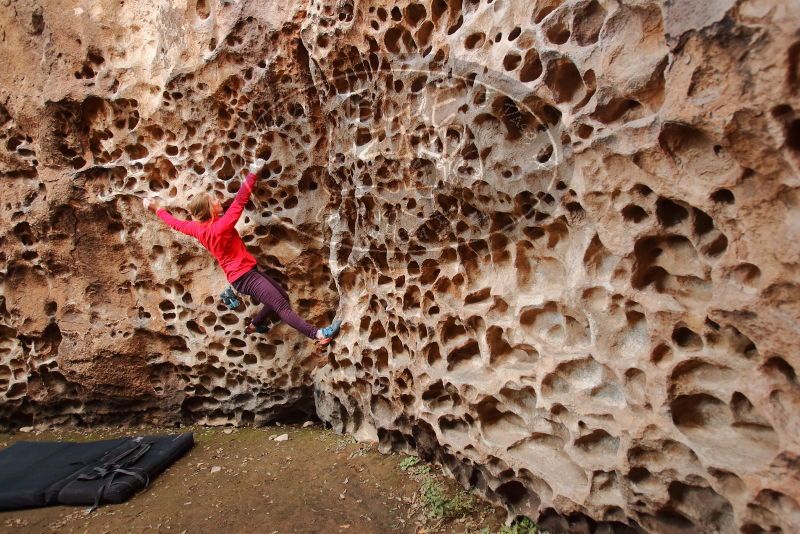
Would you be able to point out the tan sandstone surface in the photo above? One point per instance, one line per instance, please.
(562, 237)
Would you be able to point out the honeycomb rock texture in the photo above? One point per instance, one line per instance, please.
(562, 236)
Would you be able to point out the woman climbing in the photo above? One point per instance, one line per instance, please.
(217, 233)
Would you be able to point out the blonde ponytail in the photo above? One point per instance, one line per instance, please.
(200, 207)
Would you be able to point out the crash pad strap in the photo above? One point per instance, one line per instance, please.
(121, 464)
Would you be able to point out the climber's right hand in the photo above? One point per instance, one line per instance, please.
(256, 166)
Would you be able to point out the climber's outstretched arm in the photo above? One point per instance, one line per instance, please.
(231, 217)
(185, 227)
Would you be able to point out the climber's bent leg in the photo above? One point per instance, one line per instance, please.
(275, 284)
(262, 288)
(258, 319)
(284, 309)
(251, 283)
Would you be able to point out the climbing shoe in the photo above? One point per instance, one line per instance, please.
(229, 298)
(329, 331)
(252, 329)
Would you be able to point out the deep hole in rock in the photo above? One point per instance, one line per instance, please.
(563, 78)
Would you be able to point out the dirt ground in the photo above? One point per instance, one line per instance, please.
(240, 480)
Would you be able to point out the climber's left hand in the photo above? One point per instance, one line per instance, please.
(150, 204)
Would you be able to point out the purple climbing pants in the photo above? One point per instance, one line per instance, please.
(269, 293)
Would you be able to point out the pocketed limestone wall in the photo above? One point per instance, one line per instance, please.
(562, 237)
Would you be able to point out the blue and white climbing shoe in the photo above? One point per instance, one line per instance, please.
(252, 329)
(329, 331)
(229, 298)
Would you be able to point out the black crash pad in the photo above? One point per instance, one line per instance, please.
(44, 473)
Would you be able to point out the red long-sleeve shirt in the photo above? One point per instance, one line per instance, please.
(219, 236)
